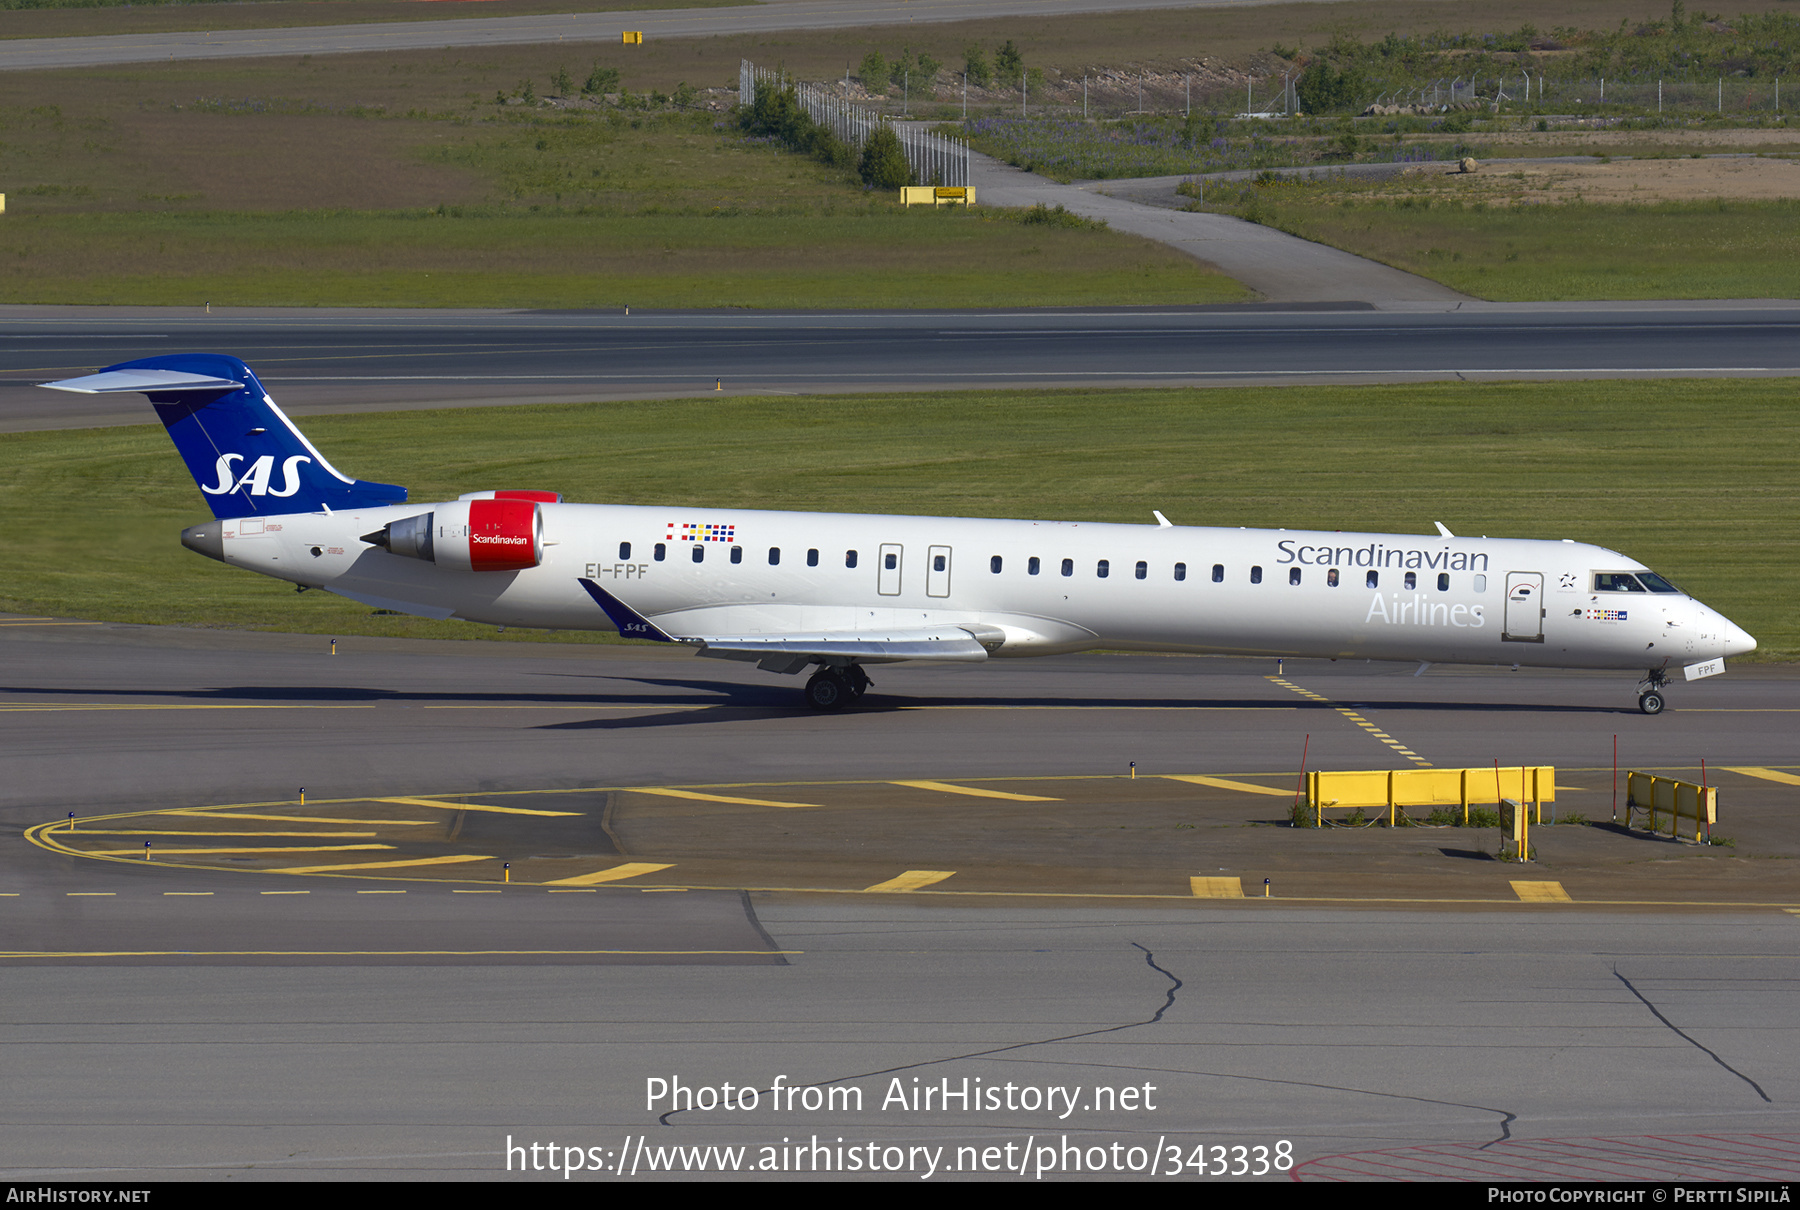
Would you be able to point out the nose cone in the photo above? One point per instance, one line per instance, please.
(1737, 640)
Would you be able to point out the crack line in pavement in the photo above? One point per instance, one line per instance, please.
(1657, 1013)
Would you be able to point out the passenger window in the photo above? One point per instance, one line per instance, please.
(1372, 580)
(849, 558)
(1443, 581)
(1412, 580)
(1293, 575)
(1101, 568)
(891, 560)
(1480, 583)
(660, 551)
(812, 558)
(1181, 571)
(1218, 573)
(1331, 578)
(624, 550)
(994, 564)
(1031, 566)
(699, 553)
(1256, 575)
(937, 562)
(1143, 570)
(737, 554)
(774, 556)
(1068, 567)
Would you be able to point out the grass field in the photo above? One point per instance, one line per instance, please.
(284, 201)
(1558, 252)
(1713, 505)
(872, 256)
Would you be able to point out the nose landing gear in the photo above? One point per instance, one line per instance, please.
(834, 688)
(1650, 691)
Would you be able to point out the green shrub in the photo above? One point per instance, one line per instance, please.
(883, 164)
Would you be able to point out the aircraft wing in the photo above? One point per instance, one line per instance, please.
(792, 652)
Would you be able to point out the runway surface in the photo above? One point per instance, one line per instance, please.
(342, 360)
(1405, 995)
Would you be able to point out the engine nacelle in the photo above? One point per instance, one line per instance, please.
(470, 535)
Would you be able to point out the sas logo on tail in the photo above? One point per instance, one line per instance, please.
(256, 478)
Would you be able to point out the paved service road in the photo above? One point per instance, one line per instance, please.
(335, 360)
(766, 17)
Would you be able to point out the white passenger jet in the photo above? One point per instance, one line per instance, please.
(836, 592)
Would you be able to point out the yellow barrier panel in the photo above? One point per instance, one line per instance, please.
(937, 195)
(1396, 789)
(1678, 800)
(633, 37)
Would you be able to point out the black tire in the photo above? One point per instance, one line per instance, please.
(1650, 703)
(827, 691)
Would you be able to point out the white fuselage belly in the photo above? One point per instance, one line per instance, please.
(1505, 601)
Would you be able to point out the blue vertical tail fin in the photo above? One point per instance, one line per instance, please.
(246, 455)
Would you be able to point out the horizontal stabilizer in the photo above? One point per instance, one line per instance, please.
(161, 382)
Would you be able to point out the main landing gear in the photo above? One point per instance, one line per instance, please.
(1650, 691)
(834, 688)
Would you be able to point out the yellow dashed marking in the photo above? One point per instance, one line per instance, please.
(1541, 892)
(377, 865)
(1786, 779)
(615, 874)
(912, 880)
(1225, 783)
(1217, 888)
(742, 802)
(944, 787)
(469, 806)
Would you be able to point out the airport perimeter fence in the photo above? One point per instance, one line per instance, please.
(1591, 96)
(934, 159)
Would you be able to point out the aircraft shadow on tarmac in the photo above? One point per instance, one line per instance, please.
(774, 696)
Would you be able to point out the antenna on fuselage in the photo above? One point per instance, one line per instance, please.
(1162, 522)
(1442, 532)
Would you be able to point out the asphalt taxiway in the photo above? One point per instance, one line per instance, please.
(323, 360)
(959, 879)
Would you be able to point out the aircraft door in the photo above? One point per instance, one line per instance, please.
(937, 572)
(887, 579)
(1524, 607)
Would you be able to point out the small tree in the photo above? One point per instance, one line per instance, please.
(874, 73)
(562, 82)
(1009, 62)
(883, 163)
(975, 66)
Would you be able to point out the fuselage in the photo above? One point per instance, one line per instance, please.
(1048, 586)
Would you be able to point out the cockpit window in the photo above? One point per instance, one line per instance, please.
(1616, 581)
(1656, 583)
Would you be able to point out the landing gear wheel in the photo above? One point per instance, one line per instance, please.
(1650, 703)
(857, 680)
(827, 690)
